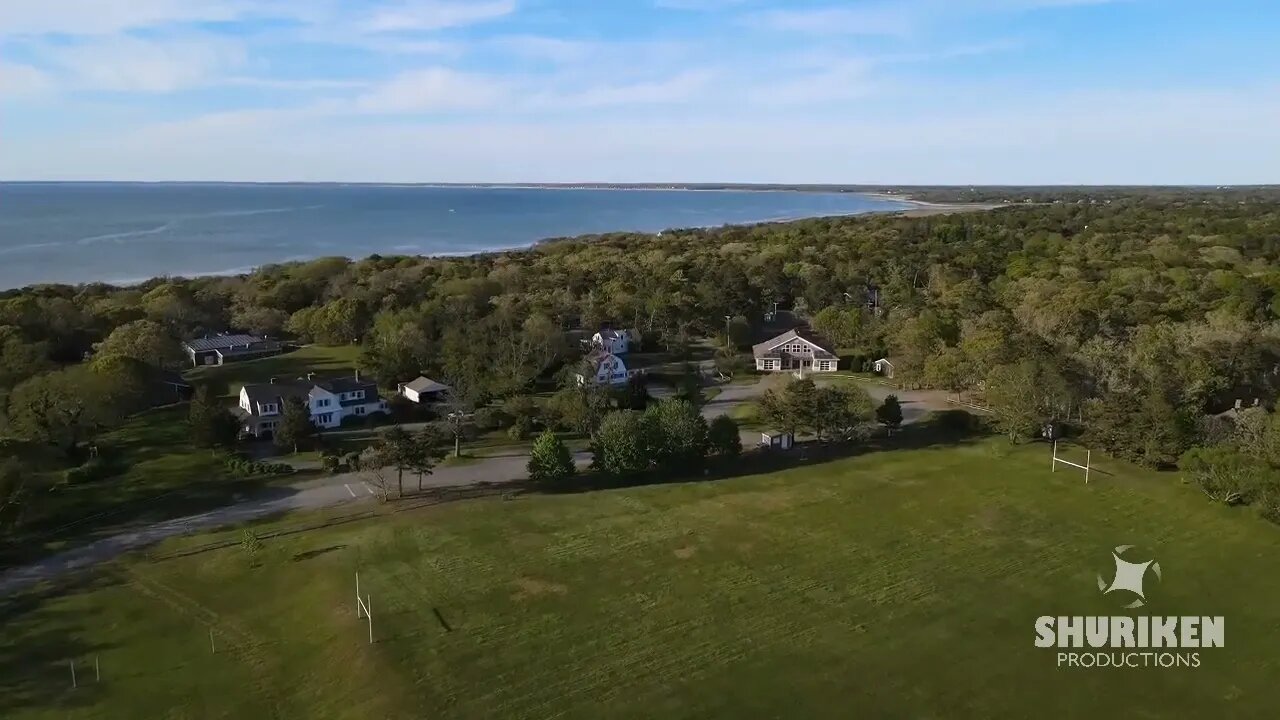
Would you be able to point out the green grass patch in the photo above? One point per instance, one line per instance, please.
(892, 584)
(324, 360)
(162, 477)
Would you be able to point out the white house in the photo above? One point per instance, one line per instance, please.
(613, 341)
(423, 390)
(329, 401)
(792, 351)
(883, 366)
(604, 368)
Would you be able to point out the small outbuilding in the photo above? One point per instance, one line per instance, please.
(777, 440)
(884, 367)
(423, 390)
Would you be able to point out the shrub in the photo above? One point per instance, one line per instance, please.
(488, 419)
(723, 437)
(331, 463)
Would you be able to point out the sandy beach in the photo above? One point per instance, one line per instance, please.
(925, 209)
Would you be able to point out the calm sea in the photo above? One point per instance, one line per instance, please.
(120, 232)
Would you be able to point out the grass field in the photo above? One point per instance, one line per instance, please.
(892, 584)
(324, 360)
(163, 476)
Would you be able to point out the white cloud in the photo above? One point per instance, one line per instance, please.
(101, 17)
(677, 88)
(863, 20)
(698, 5)
(19, 81)
(431, 90)
(127, 64)
(437, 14)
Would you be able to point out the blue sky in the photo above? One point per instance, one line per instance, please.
(856, 91)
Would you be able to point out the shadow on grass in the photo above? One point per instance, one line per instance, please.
(41, 642)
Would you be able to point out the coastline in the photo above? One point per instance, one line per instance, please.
(914, 208)
(920, 208)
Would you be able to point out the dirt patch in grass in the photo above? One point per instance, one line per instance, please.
(529, 587)
(684, 553)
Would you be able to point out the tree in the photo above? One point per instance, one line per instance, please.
(295, 426)
(723, 437)
(550, 463)
(1011, 392)
(729, 362)
(68, 406)
(251, 544)
(211, 424)
(841, 412)
(889, 414)
(635, 395)
(524, 414)
(398, 449)
(13, 495)
(579, 408)
(678, 434)
(739, 333)
(689, 385)
(143, 340)
(792, 408)
(622, 446)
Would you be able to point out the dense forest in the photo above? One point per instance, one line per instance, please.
(1140, 321)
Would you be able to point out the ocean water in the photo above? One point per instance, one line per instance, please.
(123, 232)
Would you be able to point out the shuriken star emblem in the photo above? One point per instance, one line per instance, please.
(1129, 576)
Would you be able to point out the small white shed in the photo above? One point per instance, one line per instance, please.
(777, 440)
(883, 366)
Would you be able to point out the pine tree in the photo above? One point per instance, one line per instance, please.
(889, 414)
(212, 425)
(295, 425)
(550, 463)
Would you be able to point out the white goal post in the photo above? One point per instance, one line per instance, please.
(1088, 458)
(362, 608)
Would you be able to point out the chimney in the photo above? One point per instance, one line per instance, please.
(357, 376)
(273, 381)
(310, 375)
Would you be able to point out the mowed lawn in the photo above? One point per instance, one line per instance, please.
(894, 584)
(324, 360)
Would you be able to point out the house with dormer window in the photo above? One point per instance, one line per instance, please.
(329, 401)
(795, 351)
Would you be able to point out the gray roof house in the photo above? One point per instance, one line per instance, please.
(795, 351)
(227, 347)
(330, 401)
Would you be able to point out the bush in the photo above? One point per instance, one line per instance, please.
(245, 468)
(331, 463)
(488, 419)
(960, 422)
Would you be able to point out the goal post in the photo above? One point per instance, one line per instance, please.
(362, 608)
(1088, 462)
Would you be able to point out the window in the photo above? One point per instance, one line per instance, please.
(322, 402)
(269, 408)
(358, 395)
(359, 409)
(324, 419)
